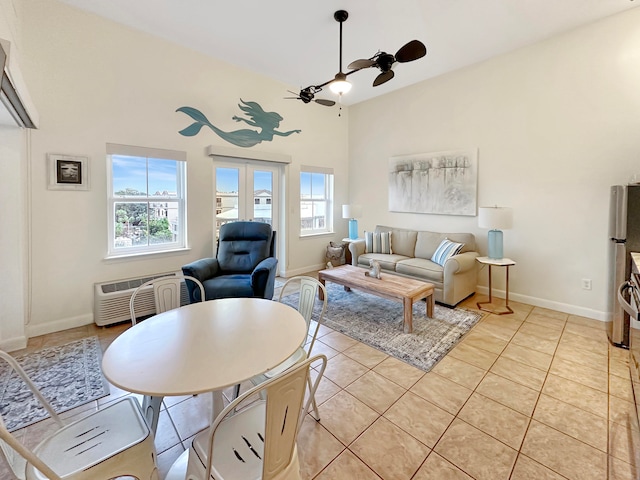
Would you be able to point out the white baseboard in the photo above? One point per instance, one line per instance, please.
(550, 304)
(300, 271)
(59, 325)
(516, 297)
(14, 344)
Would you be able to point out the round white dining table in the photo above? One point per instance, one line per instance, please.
(203, 347)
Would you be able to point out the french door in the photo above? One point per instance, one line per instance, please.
(247, 190)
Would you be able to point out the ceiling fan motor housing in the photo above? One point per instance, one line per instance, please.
(385, 61)
(341, 15)
(306, 96)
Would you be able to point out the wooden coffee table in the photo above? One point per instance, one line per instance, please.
(393, 287)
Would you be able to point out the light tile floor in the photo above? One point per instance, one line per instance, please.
(534, 395)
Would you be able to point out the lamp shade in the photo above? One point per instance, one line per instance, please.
(495, 218)
(340, 85)
(351, 211)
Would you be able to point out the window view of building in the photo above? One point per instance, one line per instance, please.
(227, 207)
(243, 200)
(316, 201)
(146, 201)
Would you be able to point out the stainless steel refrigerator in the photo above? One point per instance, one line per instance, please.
(624, 235)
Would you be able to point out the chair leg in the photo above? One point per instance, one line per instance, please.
(151, 411)
(313, 400)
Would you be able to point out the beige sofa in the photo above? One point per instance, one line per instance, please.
(410, 256)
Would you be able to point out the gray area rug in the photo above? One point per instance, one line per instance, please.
(67, 375)
(378, 323)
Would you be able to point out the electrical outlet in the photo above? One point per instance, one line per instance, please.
(586, 284)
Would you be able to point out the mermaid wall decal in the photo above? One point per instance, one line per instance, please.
(267, 122)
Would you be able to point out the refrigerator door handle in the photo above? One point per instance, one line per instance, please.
(623, 303)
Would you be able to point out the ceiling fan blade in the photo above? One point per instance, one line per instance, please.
(325, 102)
(292, 98)
(383, 77)
(362, 63)
(411, 51)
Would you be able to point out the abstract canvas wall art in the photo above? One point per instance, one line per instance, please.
(442, 183)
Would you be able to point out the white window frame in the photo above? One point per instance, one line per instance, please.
(181, 199)
(326, 197)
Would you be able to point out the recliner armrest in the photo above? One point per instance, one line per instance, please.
(263, 278)
(202, 269)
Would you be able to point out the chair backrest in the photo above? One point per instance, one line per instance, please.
(307, 300)
(242, 245)
(15, 452)
(284, 414)
(166, 293)
(113, 442)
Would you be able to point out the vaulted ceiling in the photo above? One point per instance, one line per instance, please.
(297, 41)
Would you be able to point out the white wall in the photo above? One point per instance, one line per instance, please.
(555, 124)
(13, 238)
(95, 82)
(14, 200)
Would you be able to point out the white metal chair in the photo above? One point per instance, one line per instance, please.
(308, 297)
(166, 293)
(257, 441)
(112, 442)
(166, 296)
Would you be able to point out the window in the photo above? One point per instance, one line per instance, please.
(316, 200)
(147, 208)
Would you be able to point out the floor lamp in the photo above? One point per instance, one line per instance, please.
(352, 212)
(495, 219)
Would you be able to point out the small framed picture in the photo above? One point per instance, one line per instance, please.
(68, 172)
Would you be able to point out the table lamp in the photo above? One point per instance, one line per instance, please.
(352, 212)
(495, 219)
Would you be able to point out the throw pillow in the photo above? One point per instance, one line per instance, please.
(446, 250)
(377, 242)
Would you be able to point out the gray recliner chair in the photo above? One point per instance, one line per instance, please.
(245, 265)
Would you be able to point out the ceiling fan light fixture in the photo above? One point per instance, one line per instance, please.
(340, 84)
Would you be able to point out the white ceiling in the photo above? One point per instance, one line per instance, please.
(297, 41)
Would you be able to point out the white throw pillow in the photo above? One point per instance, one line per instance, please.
(377, 242)
(446, 250)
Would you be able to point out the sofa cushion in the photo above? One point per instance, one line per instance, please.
(377, 242)
(445, 251)
(421, 268)
(428, 242)
(404, 242)
(387, 262)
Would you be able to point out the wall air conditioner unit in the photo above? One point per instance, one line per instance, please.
(16, 108)
(111, 299)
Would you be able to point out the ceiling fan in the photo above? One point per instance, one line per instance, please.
(382, 60)
(409, 52)
(307, 95)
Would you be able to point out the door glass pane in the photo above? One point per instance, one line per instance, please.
(262, 196)
(227, 186)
